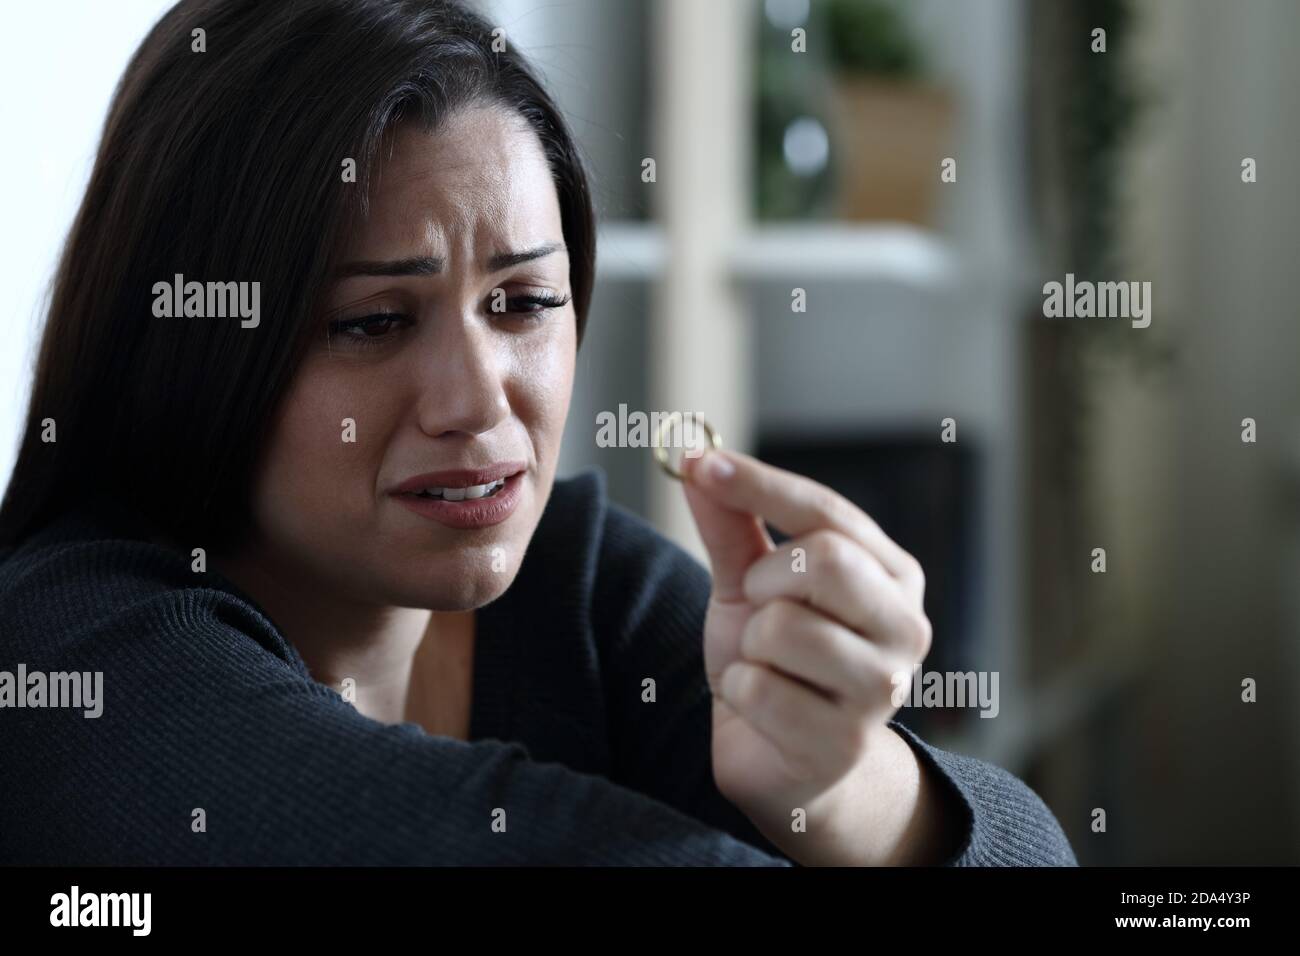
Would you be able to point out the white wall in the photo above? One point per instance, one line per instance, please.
(59, 64)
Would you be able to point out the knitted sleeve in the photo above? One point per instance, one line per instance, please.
(212, 748)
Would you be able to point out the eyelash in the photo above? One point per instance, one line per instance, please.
(342, 328)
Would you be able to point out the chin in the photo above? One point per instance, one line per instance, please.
(470, 585)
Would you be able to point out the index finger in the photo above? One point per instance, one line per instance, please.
(794, 504)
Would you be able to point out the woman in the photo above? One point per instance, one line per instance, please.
(342, 610)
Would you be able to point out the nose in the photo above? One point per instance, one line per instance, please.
(462, 380)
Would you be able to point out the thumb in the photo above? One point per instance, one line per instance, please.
(733, 539)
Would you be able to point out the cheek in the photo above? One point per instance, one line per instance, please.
(319, 470)
(547, 382)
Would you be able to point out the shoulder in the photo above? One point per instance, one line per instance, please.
(83, 577)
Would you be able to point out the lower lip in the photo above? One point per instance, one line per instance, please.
(478, 513)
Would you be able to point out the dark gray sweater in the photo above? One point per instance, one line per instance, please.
(207, 706)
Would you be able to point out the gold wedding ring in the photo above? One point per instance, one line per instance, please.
(661, 451)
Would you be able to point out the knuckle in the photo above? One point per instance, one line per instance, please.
(827, 505)
(831, 551)
(913, 572)
(922, 634)
(918, 574)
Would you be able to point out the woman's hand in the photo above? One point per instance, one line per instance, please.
(804, 647)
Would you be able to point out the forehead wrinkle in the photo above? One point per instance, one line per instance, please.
(443, 188)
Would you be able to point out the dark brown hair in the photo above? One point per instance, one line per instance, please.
(227, 165)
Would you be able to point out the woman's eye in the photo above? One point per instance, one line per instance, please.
(535, 305)
(367, 330)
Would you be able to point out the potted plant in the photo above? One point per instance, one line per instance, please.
(891, 128)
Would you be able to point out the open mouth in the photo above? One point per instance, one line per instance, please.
(471, 493)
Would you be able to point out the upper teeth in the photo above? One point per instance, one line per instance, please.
(460, 494)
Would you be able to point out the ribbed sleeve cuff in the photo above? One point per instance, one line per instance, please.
(1004, 822)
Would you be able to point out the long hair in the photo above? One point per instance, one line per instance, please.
(227, 165)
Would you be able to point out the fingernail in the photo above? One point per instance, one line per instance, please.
(718, 467)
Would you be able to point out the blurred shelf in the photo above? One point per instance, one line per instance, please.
(888, 252)
(802, 252)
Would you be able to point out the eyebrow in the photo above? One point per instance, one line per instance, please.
(432, 265)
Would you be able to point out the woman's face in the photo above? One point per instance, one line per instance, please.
(446, 362)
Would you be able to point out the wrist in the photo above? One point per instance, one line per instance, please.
(889, 810)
